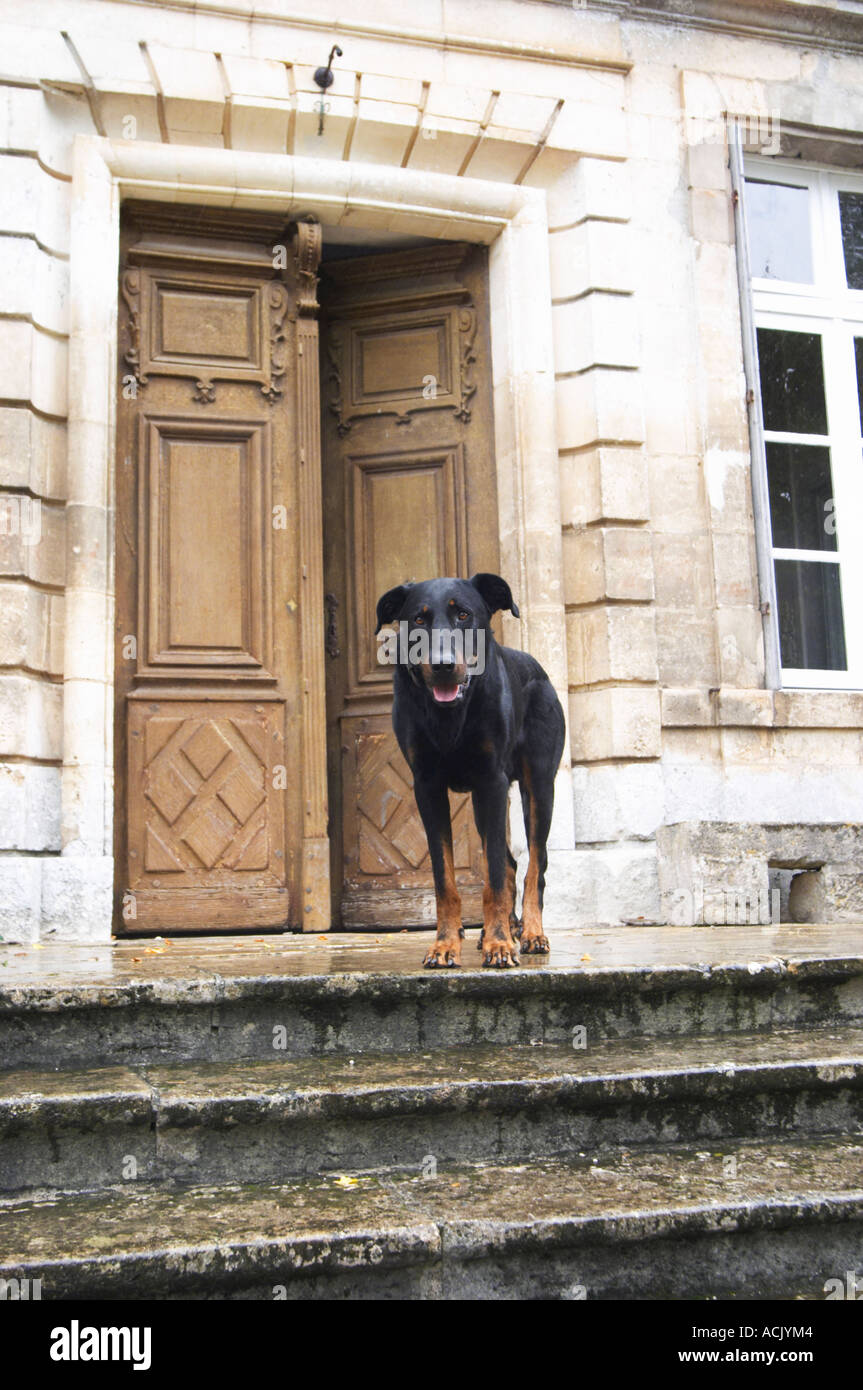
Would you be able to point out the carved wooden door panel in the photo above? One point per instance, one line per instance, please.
(208, 727)
(409, 493)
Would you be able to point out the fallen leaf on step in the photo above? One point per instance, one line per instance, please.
(344, 1181)
(587, 958)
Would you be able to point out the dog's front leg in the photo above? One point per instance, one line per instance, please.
(498, 946)
(433, 804)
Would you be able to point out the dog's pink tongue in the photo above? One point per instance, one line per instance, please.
(444, 694)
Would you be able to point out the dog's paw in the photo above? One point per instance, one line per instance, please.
(500, 953)
(535, 945)
(443, 953)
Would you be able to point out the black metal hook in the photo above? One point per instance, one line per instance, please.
(324, 76)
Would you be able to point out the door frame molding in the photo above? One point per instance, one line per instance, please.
(513, 222)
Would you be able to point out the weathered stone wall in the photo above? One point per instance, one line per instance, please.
(617, 120)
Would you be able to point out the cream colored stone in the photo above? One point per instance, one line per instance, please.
(735, 569)
(602, 563)
(20, 118)
(258, 124)
(39, 555)
(28, 620)
(616, 643)
(683, 569)
(590, 188)
(810, 709)
(30, 717)
(599, 405)
(34, 283)
(32, 452)
(712, 216)
(740, 639)
(598, 330)
(745, 706)
(684, 707)
(686, 645)
(621, 723)
(47, 60)
(677, 498)
(20, 898)
(30, 808)
(592, 256)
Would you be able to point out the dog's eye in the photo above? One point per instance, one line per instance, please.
(463, 617)
(420, 619)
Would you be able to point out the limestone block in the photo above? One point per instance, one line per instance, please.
(615, 723)
(29, 620)
(711, 215)
(31, 718)
(714, 873)
(727, 478)
(591, 256)
(20, 117)
(33, 366)
(740, 635)
(611, 643)
(595, 330)
(33, 203)
(20, 898)
(620, 801)
(32, 452)
(683, 570)
(686, 647)
(445, 154)
(745, 707)
(131, 116)
(600, 404)
(677, 496)
(607, 562)
(40, 555)
(707, 165)
(258, 124)
(684, 707)
(47, 60)
(601, 887)
(517, 116)
(735, 570)
(30, 807)
(34, 283)
(604, 484)
(591, 128)
(590, 188)
(193, 89)
(256, 77)
(808, 709)
(77, 898)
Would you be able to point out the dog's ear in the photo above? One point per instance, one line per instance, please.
(390, 604)
(495, 592)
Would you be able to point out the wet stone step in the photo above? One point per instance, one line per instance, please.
(278, 1117)
(110, 1006)
(762, 1220)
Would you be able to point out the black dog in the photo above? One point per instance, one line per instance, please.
(475, 727)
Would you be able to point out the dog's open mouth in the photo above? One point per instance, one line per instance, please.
(449, 692)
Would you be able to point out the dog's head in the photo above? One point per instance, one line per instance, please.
(444, 630)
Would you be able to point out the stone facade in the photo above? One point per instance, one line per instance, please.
(587, 149)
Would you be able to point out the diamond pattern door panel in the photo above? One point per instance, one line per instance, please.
(210, 815)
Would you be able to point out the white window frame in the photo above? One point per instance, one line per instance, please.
(826, 307)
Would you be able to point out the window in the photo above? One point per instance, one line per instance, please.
(805, 229)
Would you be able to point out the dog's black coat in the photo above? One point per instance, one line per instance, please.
(507, 724)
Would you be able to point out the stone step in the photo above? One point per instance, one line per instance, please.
(267, 1120)
(651, 1223)
(135, 1004)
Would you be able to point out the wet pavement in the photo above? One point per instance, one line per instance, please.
(202, 959)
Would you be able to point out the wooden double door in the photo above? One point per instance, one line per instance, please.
(257, 779)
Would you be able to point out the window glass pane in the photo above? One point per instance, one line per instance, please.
(777, 222)
(858, 351)
(851, 214)
(811, 635)
(801, 497)
(792, 381)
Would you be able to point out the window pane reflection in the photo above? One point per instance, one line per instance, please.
(811, 633)
(777, 221)
(801, 497)
(792, 381)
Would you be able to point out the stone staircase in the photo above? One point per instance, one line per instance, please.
(653, 1113)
